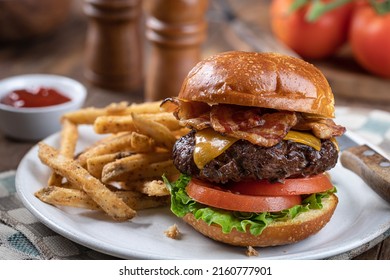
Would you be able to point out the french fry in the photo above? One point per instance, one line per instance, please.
(90, 114)
(115, 144)
(115, 124)
(68, 142)
(148, 187)
(95, 164)
(165, 118)
(69, 136)
(141, 143)
(128, 141)
(85, 115)
(116, 108)
(66, 197)
(121, 169)
(77, 175)
(144, 108)
(58, 196)
(160, 133)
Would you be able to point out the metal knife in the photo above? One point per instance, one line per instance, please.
(368, 162)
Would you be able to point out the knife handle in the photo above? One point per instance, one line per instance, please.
(372, 167)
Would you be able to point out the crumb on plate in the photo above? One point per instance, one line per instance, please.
(173, 232)
(250, 251)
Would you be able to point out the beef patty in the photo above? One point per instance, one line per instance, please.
(246, 161)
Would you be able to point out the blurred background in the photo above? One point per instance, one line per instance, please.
(48, 36)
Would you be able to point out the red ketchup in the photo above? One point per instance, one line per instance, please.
(39, 97)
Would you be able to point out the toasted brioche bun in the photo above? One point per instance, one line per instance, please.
(277, 233)
(268, 80)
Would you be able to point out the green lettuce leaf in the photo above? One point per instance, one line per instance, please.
(182, 204)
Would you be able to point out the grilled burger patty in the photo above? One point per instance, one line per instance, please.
(246, 161)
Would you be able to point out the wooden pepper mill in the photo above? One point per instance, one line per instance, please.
(176, 30)
(113, 44)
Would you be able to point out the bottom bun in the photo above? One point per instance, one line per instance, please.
(277, 233)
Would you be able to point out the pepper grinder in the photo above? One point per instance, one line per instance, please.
(113, 44)
(175, 29)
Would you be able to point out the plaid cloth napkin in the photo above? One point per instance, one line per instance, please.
(23, 237)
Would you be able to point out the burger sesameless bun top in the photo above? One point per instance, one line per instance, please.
(267, 80)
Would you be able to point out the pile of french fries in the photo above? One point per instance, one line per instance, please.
(119, 174)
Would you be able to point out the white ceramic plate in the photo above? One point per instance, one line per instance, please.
(360, 217)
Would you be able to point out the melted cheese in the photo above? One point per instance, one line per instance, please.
(304, 138)
(210, 144)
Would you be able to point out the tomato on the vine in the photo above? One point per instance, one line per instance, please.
(211, 195)
(369, 38)
(315, 40)
(296, 186)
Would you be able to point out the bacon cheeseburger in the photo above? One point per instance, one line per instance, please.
(262, 137)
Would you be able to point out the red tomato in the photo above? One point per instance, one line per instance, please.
(314, 184)
(208, 194)
(370, 39)
(314, 40)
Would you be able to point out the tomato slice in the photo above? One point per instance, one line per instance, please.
(211, 195)
(296, 186)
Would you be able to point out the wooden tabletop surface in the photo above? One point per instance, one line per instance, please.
(63, 53)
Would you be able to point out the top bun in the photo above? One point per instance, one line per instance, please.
(268, 80)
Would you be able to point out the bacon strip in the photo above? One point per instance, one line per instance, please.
(250, 124)
(320, 127)
(199, 123)
(170, 104)
(259, 126)
(230, 118)
(191, 114)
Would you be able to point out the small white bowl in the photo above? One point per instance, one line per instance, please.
(39, 122)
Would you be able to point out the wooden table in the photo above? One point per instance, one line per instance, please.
(62, 53)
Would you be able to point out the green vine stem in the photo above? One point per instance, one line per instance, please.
(297, 4)
(381, 7)
(319, 7)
